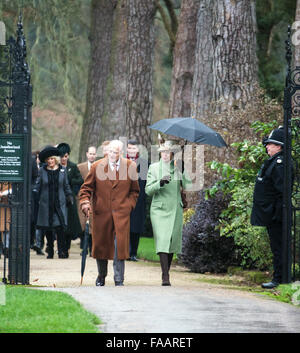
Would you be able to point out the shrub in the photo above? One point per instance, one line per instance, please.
(203, 249)
(252, 242)
(187, 214)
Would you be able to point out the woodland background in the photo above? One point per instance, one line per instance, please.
(103, 69)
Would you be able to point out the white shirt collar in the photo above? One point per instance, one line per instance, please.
(113, 165)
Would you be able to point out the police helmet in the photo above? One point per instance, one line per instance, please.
(276, 137)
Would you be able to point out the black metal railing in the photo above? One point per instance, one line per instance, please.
(15, 133)
(291, 194)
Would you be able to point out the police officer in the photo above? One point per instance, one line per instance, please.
(267, 200)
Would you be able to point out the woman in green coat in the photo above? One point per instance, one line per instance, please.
(164, 181)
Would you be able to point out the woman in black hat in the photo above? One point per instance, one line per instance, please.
(53, 192)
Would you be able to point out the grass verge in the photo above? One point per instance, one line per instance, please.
(235, 278)
(287, 293)
(251, 281)
(39, 311)
(146, 250)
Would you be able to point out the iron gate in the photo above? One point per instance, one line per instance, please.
(291, 194)
(15, 159)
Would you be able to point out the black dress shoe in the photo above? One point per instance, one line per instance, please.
(39, 252)
(270, 285)
(118, 284)
(35, 248)
(100, 282)
(167, 283)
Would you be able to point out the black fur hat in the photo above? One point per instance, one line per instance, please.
(47, 152)
(63, 148)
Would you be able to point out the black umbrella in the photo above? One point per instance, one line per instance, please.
(85, 248)
(191, 130)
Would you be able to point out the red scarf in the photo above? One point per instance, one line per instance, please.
(133, 158)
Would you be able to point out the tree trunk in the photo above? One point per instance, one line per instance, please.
(102, 15)
(182, 76)
(140, 55)
(183, 60)
(113, 118)
(226, 70)
(297, 35)
(225, 78)
(119, 94)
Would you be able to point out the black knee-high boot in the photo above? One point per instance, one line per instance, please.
(50, 244)
(164, 263)
(62, 244)
(170, 258)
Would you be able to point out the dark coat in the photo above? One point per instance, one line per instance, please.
(138, 214)
(41, 189)
(74, 177)
(75, 180)
(268, 190)
(114, 197)
(34, 203)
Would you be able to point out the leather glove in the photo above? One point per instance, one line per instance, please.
(70, 200)
(85, 209)
(165, 180)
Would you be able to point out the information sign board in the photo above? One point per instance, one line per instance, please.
(11, 157)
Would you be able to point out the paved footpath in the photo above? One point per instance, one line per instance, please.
(152, 309)
(144, 306)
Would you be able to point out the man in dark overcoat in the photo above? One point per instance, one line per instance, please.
(75, 179)
(267, 200)
(84, 169)
(138, 214)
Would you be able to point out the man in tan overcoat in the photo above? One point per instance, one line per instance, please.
(113, 182)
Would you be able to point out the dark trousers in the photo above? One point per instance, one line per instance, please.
(32, 234)
(134, 243)
(61, 242)
(68, 238)
(275, 236)
(39, 239)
